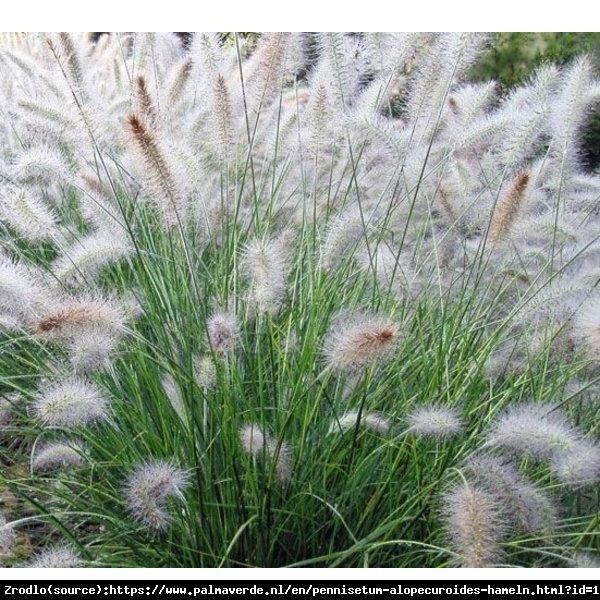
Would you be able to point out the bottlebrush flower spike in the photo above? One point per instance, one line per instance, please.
(179, 79)
(144, 104)
(507, 209)
(281, 454)
(344, 233)
(223, 119)
(58, 455)
(586, 328)
(570, 106)
(205, 373)
(7, 534)
(223, 331)
(174, 395)
(72, 402)
(257, 443)
(20, 293)
(148, 489)
(358, 339)
(265, 69)
(585, 560)
(434, 421)
(579, 465)
(157, 172)
(265, 265)
(536, 429)
(473, 525)
(83, 261)
(370, 420)
(65, 50)
(73, 318)
(521, 503)
(92, 352)
(43, 166)
(7, 409)
(28, 214)
(58, 557)
(253, 439)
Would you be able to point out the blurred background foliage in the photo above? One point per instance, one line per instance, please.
(513, 56)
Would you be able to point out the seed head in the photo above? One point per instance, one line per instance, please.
(585, 560)
(144, 103)
(371, 420)
(10, 323)
(159, 175)
(357, 340)
(521, 503)
(258, 444)
(58, 557)
(508, 208)
(281, 454)
(264, 263)
(83, 317)
(535, 429)
(41, 165)
(149, 487)
(92, 352)
(205, 373)
(473, 525)
(58, 455)
(222, 332)
(223, 119)
(586, 328)
(174, 395)
(83, 261)
(253, 439)
(434, 421)
(70, 403)
(579, 465)
(28, 214)
(7, 534)
(18, 289)
(343, 235)
(7, 406)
